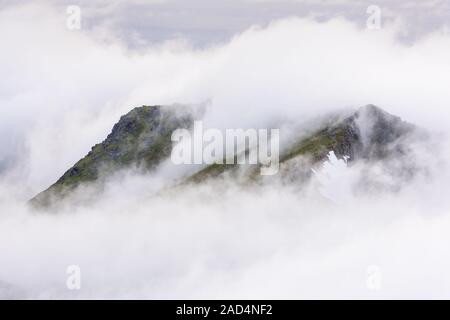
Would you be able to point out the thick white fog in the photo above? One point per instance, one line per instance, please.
(63, 90)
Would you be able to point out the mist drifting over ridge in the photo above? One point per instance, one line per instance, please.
(67, 90)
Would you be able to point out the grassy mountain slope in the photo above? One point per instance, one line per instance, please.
(141, 138)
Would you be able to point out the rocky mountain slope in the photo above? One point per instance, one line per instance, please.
(142, 138)
(369, 134)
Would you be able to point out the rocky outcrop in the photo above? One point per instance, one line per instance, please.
(141, 138)
(370, 134)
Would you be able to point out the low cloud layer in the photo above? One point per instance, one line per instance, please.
(216, 241)
(65, 90)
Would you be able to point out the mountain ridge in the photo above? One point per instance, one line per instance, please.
(142, 138)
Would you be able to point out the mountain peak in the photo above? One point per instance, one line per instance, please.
(371, 108)
(141, 138)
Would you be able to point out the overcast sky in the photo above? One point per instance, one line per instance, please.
(204, 22)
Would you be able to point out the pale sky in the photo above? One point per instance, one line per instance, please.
(204, 22)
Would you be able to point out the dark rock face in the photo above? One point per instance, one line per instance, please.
(381, 133)
(141, 138)
(370, 133)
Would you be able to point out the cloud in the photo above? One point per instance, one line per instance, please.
(216, 242)
(66, 89)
